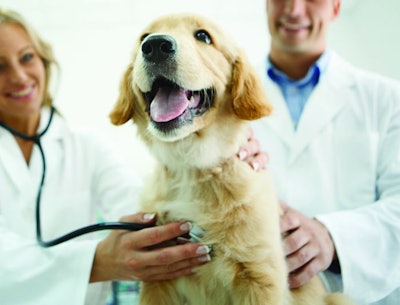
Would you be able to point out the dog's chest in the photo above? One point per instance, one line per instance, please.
(199, 196)
(217, 200)
(181, 196)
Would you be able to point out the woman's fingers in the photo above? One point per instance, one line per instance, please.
(156, 235)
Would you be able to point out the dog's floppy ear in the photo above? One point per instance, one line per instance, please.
(123, 108)
(249, 98)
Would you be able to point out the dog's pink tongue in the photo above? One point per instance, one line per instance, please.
(168, 104)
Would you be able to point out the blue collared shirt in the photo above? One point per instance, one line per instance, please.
(296, 93)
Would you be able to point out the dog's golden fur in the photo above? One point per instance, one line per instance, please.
(198, 177)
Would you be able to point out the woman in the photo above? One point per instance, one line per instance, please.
(83, 179)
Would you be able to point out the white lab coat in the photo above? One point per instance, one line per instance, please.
(342, 165)
(84, 179)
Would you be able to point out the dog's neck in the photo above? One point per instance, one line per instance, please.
(203, 150)
(196, 155)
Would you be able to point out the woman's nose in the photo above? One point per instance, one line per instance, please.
(17, 74)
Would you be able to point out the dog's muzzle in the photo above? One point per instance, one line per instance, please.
(169, 105)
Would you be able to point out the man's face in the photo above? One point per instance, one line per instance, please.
(298, 26)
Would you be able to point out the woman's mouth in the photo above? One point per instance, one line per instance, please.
(23, 94)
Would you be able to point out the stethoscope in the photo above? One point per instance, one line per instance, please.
(81, 231)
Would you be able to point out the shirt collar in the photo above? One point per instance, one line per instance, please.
(313, 73)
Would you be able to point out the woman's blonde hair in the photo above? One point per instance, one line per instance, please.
(43, 48)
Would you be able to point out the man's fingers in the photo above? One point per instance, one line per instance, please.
(250, 152)
(289, 221)
(284, 205)
(251, 147)
(303, 275)
(260, 161)
(294, 242)
(301, 257)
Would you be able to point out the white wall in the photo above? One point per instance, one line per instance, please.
(367, 33)
(93, 39)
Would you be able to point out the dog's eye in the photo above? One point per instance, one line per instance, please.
(203, 36)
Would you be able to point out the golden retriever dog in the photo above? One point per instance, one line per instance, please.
(191, 92)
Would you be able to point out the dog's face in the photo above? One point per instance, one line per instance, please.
(186, 75)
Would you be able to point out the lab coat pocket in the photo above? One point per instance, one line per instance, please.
(355, 167)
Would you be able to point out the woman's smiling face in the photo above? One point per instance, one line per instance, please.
(22, 75)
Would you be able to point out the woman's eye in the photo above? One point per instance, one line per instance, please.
(203, 36)
(27, 57)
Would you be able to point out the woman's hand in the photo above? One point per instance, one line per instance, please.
(133, 255)
(251, 153)
(307, 244)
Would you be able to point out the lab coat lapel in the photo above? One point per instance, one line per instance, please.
(13, 162)
(11, 158)
(280, 120)
(324, 104)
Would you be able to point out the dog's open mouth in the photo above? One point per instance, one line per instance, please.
(171, 106)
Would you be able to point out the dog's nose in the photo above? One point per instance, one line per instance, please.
(158, 48)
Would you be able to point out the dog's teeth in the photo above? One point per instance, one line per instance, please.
(192, 102)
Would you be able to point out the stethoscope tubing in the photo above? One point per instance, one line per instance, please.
(76, 233)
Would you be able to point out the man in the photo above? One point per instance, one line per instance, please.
(334, 146)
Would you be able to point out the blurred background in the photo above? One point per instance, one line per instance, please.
(93, 40)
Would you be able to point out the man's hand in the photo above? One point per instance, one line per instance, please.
(251, 153)
(307, 244)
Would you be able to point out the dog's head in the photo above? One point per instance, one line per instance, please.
(188, 82)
